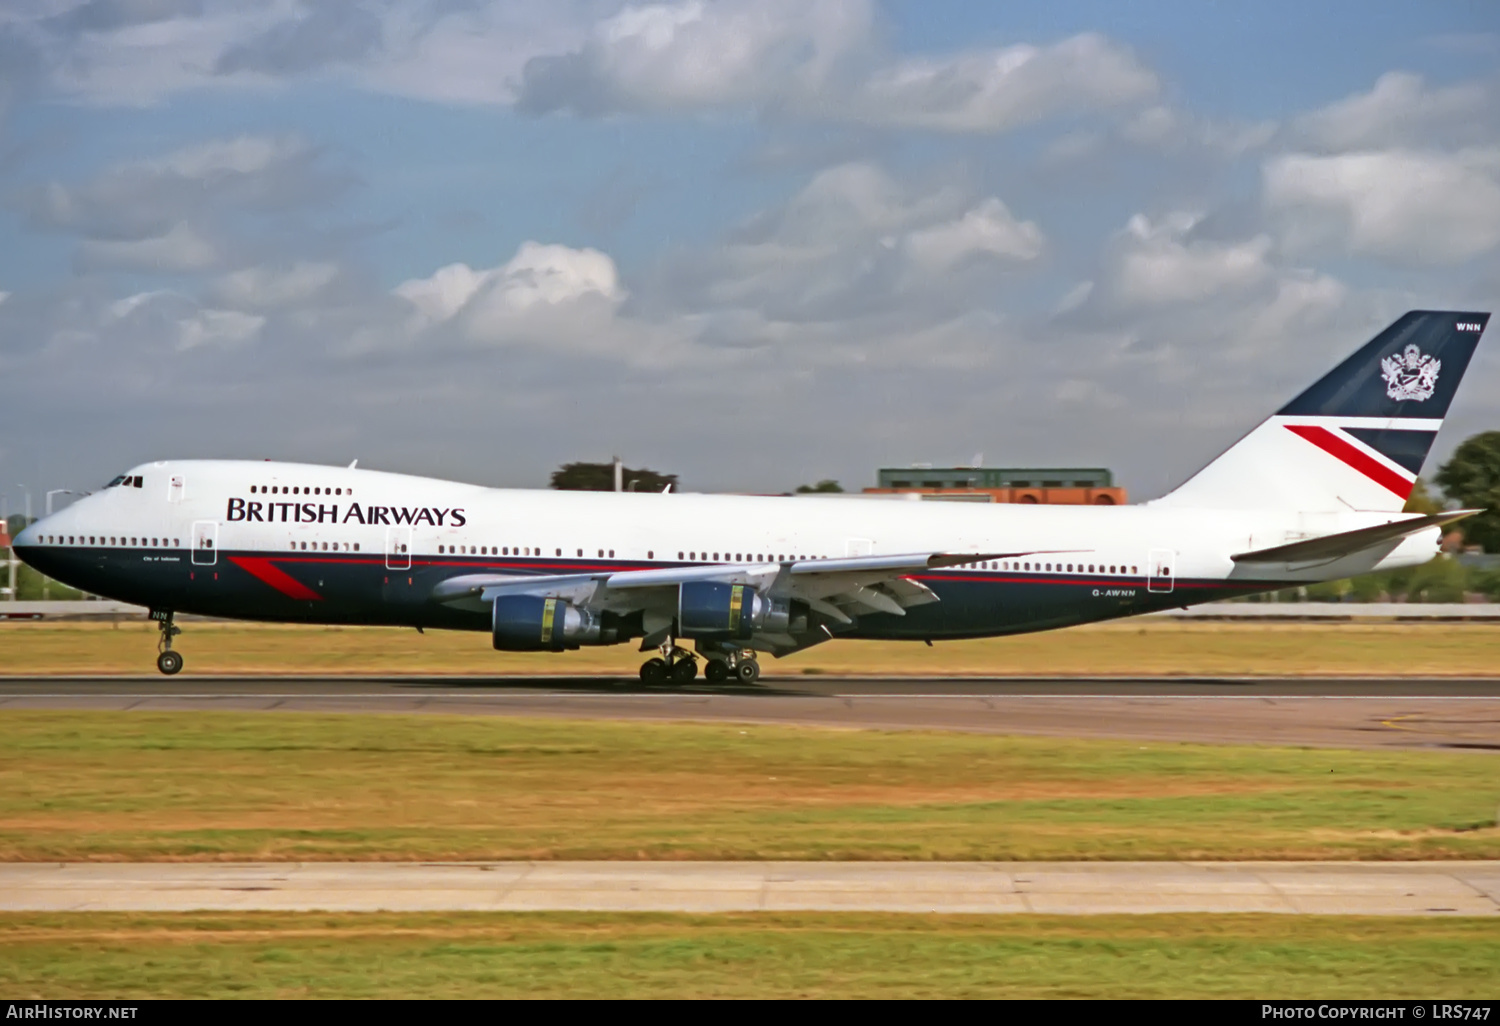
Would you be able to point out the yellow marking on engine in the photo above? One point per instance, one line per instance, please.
(549, 612)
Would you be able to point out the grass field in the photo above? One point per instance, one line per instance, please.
(1131, 648)
(272, 955)
(177, 785)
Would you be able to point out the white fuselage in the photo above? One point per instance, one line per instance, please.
(247, 528)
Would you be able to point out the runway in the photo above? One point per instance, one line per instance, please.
(1058, 888)
(1360, 713)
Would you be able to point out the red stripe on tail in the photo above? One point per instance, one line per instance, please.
(262, 568)
(1367, 465)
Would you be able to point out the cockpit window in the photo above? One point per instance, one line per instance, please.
(117, 481)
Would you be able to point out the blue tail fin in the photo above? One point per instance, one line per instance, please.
(1411, 369)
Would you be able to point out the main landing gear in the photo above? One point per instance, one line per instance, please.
(746, 671)
(679, 666)
(168, 660)
(727, 661)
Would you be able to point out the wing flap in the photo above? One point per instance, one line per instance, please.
(756, 574)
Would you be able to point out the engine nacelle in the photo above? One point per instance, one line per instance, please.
(708, 609)
(530, 623)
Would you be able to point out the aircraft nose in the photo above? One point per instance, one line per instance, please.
(26, 538)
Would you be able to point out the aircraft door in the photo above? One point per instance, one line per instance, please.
(859, 547)
(1159, 566)
(398, 548)
(205, 542)
(175, 487)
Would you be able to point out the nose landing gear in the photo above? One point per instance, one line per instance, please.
(168, 661)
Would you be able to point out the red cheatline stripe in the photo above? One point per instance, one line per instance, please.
(275, 577)
(1366, 465)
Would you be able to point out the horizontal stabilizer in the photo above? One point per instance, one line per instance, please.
(1347, 543)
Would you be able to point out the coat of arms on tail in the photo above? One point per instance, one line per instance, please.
(1410, 375)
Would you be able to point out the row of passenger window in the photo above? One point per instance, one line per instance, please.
(736, 557)
(91, 539)
(529, 550)
(1066, 568)
(750, 557)
(297, 490)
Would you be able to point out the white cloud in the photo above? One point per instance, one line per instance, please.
(267, 287)
(547, 295)
(822, 59)
(1166, 127)
(217, 328)
(994, 90)
(986, 230)
(140, 63)
(798, 58)
(1401, 110)
(1406, 206)
(538, 275)
(243, 155)
(854, 240)
(469, 53)
(180, 250)
(143, 198)
(116, 53)
(552, 275)
(446, 292)
(1301, 298)
(693, 55)
(123, 308)
(1161, 264)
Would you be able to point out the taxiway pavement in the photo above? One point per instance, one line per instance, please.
(1413, 888)
(1358, 713)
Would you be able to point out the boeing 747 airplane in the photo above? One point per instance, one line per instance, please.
(1314, 493)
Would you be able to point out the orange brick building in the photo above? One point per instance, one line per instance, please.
(1070, 486)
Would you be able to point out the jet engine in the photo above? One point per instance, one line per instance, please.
(530, 623)
(710, 609)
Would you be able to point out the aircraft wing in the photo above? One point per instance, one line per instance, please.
(1347, 543)
(840, 589)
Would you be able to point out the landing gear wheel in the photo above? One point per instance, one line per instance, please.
(748, 671)
(684, 671)
(167, 661)
(653, 671)
(717, 671)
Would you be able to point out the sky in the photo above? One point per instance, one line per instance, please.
(755, 243)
